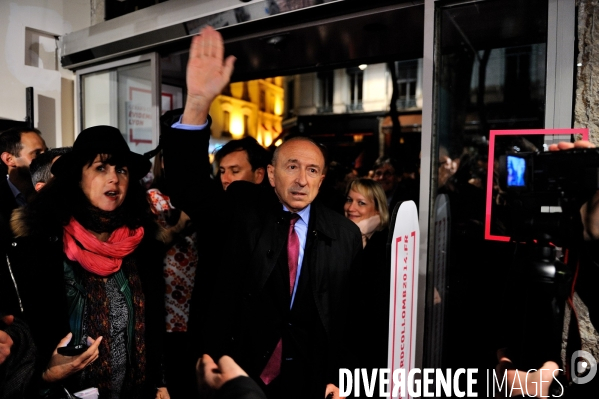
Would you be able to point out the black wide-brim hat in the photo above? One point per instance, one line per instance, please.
(101, 140)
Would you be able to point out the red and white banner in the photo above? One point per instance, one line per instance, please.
(404, 289)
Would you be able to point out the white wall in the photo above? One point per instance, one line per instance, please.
(50, 87)
(377, 88)
(376, 95)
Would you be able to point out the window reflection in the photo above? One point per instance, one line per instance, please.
(490, 75)
(347, 109)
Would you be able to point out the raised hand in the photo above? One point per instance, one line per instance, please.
(207, 74)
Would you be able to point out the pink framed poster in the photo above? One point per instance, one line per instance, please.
(506, 136)
(140, 117)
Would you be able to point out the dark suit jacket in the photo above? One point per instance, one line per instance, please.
(240, 388)
(249, 311)
(9, 302)
(374, 277)
(7, 203)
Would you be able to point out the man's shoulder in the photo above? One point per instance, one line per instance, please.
(5, 191)
(332, 222)
(248, 193)
(7, 199)
(249, 202)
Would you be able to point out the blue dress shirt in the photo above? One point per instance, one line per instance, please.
(20, 198)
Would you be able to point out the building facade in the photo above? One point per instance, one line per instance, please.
(253, 108)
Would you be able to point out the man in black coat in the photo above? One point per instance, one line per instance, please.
(18, 147)
(287, 326)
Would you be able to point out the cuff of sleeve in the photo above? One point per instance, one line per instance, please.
(182, 126)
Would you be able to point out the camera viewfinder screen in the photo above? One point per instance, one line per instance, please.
(516, 167)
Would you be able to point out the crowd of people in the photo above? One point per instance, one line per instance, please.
(244, 283)
(112, 284)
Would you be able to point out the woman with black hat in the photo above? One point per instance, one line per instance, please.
(89, 272)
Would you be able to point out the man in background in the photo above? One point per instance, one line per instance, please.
(398, 187)
(242, 159)
(18, 147)
(41, 165)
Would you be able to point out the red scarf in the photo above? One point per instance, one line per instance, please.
(98, 257)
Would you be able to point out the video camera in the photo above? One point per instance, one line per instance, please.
(544, 191)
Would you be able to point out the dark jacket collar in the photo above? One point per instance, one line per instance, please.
(321, 220)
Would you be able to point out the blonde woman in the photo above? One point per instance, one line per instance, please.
(366, 205)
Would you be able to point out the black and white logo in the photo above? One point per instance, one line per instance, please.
(583, 367)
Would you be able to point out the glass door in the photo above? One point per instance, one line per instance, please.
(490, 74)
(123, 94)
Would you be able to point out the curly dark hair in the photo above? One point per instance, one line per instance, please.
(62, 198)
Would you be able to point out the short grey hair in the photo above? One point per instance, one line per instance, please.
(321, 147)
(42, 164)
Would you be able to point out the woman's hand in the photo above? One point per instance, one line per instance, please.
(60, 367)
(162, 393)
(183, 223)
(180, 229)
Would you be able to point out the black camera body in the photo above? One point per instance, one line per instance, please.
(572, 172)
(544, 191)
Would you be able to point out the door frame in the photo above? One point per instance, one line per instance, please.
(155, 81)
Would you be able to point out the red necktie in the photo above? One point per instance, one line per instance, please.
(273, 367)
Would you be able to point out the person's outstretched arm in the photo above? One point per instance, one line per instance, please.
(226, 379)
(185, 136)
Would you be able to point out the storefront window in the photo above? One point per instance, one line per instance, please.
(123, 97)
(489, 74)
